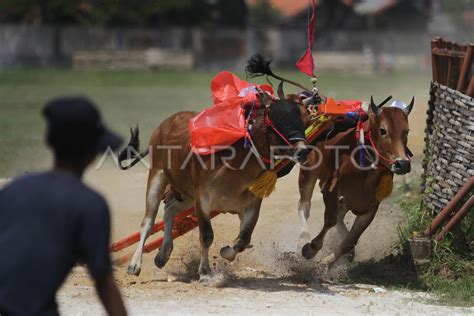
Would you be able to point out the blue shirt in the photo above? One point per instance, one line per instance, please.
(48, 221)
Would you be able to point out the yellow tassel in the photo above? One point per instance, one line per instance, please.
(264, 185)
(385, 187)
(316, 124)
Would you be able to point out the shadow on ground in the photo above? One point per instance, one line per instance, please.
(396, 271)
(277, 284)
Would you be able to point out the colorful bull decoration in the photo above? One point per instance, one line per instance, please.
(250, 108)
(250, 120)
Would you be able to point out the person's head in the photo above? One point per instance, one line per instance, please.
(75, 131)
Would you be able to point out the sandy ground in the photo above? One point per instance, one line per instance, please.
(254, 295)
(269, 278)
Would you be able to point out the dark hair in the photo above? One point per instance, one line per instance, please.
(75, 129)
(68, 150)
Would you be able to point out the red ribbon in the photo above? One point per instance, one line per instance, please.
(306, 63)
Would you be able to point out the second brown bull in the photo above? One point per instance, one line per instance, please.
(346, 185)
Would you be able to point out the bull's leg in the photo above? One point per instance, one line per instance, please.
(247, 225)
(206, 236)
(341, 227)
(306, 183)
(350, 241)
(154, 191)
(172, 208)
(342, 210)
(330, 218)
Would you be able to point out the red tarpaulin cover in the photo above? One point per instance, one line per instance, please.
(223, 123)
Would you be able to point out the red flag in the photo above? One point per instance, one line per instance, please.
(306, 62)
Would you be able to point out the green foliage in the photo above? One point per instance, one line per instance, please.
(450, 273)
(453, 292)
(143, 13)
(458, 242)
(417, 219)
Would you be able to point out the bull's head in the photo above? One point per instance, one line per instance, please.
(389, 126)
(290, 119)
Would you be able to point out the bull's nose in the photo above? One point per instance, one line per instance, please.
(301, 154)
(402, 166)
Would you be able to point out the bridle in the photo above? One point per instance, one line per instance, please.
(269, 123)
(266, 123)
(383, 162)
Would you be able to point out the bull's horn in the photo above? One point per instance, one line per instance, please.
(374, 107)
(281, 94)
(408, 109)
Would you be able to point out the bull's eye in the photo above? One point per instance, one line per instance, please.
(383, 131)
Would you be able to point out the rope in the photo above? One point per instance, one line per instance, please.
(390, 161)
(270, 123)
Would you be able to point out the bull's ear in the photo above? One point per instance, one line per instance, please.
(409, 107)
(293, 98)
(373, 106)
(280, 92)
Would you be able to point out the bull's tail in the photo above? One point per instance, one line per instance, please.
(258, 66)
(132, 151)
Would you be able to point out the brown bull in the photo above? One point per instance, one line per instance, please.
(345, 186)
(218, 182)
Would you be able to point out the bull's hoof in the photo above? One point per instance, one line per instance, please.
(160, 261)
(213, 280)
(134, 269)
(204, 279)
(228, 253)
(303, 240)
(162, 257)
(308, 252)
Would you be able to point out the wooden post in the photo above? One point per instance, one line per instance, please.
(442, 65)
(466, 66)
(470, 87)
(463, 211)
(449, 61)
(438, 220)
(435, 43)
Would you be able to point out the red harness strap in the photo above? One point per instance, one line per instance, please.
(388, 160)
(269, 122)
(383, 162)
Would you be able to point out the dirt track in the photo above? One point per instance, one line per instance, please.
(254, 295)
(269, 278)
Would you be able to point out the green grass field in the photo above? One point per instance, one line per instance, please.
(127, 98)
